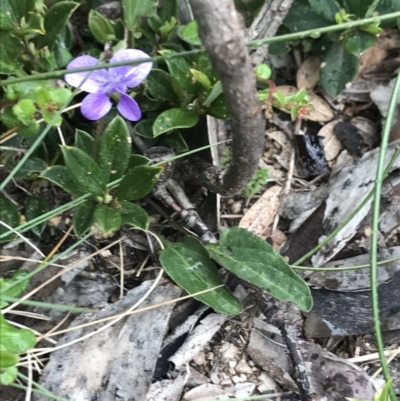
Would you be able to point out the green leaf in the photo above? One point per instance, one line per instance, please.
(189, 265)
(215, 92)
(62, 177)
(325, 9)
(357, 7)
(7, 359)
(55, 21)
(218, 108)
(138, 182)
(339, 70)
(190, 33)
(202, 78)
(254, 260)
(134, 215)
(11, 50)
(22, 8)
(15, 340)
(114, 150)
(24, 110)
(9, 215)
(263, 71)
(357, 42)
(100, 27)
(13, 286)
(179, 68)
(301, 17)
(8, 375)
(35, 207)
(84, 142)
(84, 216)
(32, 168)
(138, 160)
(144, 128)
(108, 218)
(134, 10)
(159, 86)
(85, 170)
(173, 119)
(168, 10)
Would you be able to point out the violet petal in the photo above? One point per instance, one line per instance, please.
(95, 81)
(95, 106)
(129, 108)
(131, 76)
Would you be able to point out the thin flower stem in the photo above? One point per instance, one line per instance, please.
(380, 175)
(343, 268)
(251, 44)
(332, 28)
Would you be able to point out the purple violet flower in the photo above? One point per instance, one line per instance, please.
(113, 82)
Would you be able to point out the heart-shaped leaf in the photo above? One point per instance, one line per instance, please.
(189, 265)
(255, 261)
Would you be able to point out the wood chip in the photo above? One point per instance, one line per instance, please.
(261, 215)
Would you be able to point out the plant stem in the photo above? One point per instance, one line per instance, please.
(380, 174)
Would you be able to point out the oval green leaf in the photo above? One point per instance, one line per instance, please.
(114, 150)
(173, 119)
(138, 182)
(62, 177)
(9, 215)
(14, 339)
(8, 375)
(159, 86)
(255, 261)
(108, 218)
(85, 171)
(83, 216)
(56, 19)
(189, 265)
(7, 359)
(35, 207)
(134, 215)
(84, 142)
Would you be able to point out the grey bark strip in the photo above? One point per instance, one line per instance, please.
(223, 34)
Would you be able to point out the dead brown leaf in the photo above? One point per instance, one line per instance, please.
(331, 144)
(322, 111)
(308, 74)
(261, 215)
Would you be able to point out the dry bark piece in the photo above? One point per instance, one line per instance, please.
(261, 215)
(308, 74)
(348, 313)
(109, 364)
(332, 145)
(322, 111)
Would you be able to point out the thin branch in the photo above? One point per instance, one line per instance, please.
(223, 34)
